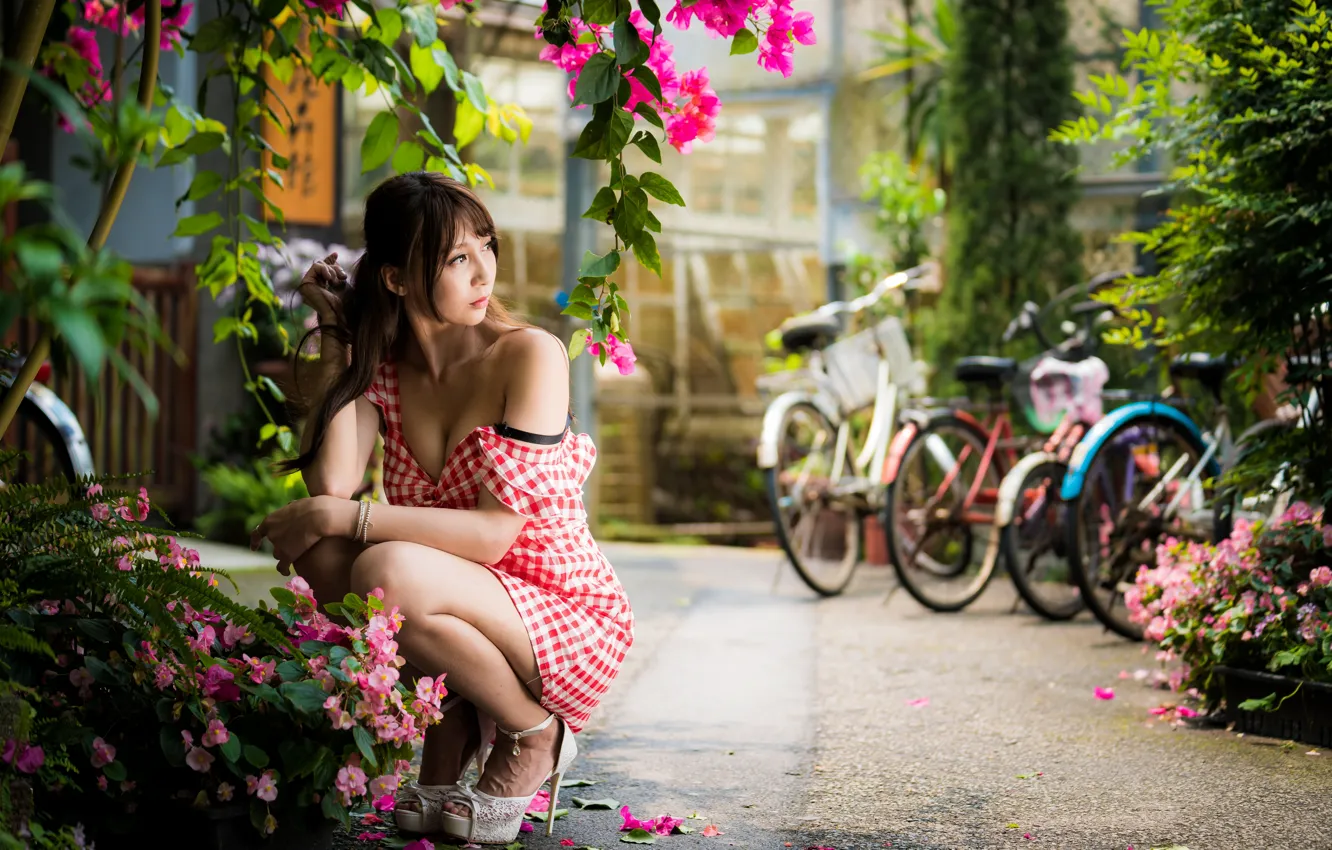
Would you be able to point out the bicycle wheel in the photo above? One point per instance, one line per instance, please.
(819, 533)
(45, 457)
(931, 529)
(1136, 495)
(1035, 545)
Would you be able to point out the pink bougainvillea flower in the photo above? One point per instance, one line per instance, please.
(102, 753)
(225, 791)
(331, 8)
(631, 822)
(1161, 710)
(667, 824)
(1028, 836)
(372, 836)
(1104, 693)
(802, 28)
(540, 802)
(618, 352)
(711, 831)
(919, 702)
(567, 842)
(1185, 711)
(384, 803)
(29, 759)
(526, 826)
(199, 759)
(420, 844)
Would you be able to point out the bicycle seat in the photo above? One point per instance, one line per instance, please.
(991, 371)
(1204, 368)
(812, 331)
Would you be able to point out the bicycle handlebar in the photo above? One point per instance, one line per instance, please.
(912, 278)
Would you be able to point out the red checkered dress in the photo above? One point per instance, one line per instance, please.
(576, 612)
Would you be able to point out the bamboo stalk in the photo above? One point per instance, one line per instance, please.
(33, 18)
(152, 49)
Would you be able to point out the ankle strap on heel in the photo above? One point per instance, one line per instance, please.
(514, 736)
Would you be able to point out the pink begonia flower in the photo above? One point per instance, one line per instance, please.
(260, 671)
(1322, 576)
(372, 836)
(234, 634)
(100, 512)
(94, 489)
(187, 736)
(1104, 693)
(266, 788)
(204, 641)
(270, 822)
(80, 678)
(163, 677)
(350, 783)
(251, 785)
(381, 785)
(102, 784)
(102, 753)
(384, 803)
(421, 844)
(225, 791)
(919, 702)
(382, 679)
(219, 683)
(199, 759)
(216, 735)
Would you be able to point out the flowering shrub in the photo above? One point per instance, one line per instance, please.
(138, 684)
(1261, 599)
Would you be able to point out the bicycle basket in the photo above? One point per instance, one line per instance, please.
(853, 363)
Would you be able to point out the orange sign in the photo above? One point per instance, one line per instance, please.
(310, 192)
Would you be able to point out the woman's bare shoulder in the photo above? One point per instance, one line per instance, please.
(535, 379)
(527, 348)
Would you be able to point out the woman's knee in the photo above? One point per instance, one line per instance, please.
(379, 567)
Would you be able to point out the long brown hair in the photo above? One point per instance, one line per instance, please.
(411, 220)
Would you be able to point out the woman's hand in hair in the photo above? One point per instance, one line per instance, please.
(322, 288)
(294, 528)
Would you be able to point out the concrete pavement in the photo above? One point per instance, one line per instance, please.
(782, 718)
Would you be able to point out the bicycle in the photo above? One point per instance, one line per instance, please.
(945, 469)
(1146, 473)
(45, 430)
(820, 484)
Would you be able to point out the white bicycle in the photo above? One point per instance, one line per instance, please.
(826, 433)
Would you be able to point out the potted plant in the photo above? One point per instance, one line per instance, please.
(148, 691)
(1250, 620)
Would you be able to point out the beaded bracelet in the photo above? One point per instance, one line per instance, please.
(363, 508)
(363, 527)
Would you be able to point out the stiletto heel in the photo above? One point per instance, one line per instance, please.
(554, 802)
(497, 820)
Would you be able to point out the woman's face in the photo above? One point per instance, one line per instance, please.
(466, 278)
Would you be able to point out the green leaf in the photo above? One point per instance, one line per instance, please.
(645, 250)
(197, 225)
(652, 14)
(427, 70)
(647, 143)
(255, 756)
(467, 123)
(445, 59)
(602, 205)
(420, 20)
(476, 93)
(365, 744)
(648, 78)
(630, 214)
(408, 157)
(332, 809)
(606, 803)
(578, 311)
(660, 188)
(604, 12)
(215, 35)
(389, 27)
(599, 266)
(379, 141)
(650, 115)
(744, 42)
(543, 816)
(1267, 703)
(618, 131)
(172, 745)
(629, 47)
(115, 771)
(599, 80)
(290, 671)
(204, 183)
(638, 836)
(232, 748)
(578, 342)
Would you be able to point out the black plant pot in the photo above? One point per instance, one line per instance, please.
(229, 828)
(1305, 715)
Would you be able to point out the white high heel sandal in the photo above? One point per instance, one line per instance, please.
(497, 820)
(431, 798)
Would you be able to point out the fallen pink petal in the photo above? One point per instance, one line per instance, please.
(919, 702)
(1104, 693)
(372, 836)
(711, 831)
(1185, 711)
(567, 842)
(526, 827)
(1028, 836)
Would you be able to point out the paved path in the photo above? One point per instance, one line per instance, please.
(782, 718)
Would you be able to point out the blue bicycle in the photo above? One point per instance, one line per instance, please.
(1145, 474)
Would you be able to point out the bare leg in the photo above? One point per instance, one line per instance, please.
(461, 622)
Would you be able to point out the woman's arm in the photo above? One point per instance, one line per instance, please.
(536, 399)
(339, 466)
